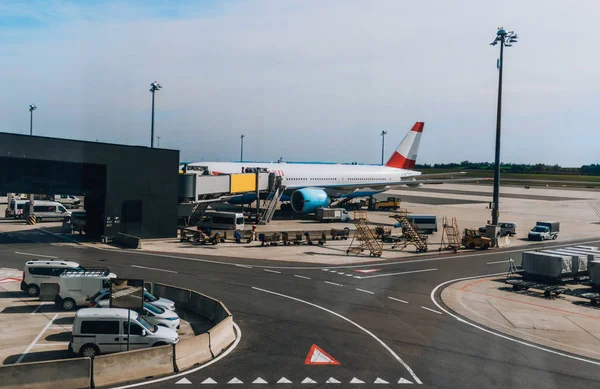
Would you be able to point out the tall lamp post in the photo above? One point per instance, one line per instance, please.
(32, 108)
(153, 88)
(158, 142)
(504, 38)
(382, 144)
(242, 147)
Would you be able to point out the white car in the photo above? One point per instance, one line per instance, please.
(38, 271)
(163, 303)
(152, 314)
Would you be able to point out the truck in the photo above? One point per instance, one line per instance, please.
(391, 203)
(544, 231)
(473, 239)
(332, 214)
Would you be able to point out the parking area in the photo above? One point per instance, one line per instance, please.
(34, 330)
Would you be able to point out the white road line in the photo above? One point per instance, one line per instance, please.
(397, 274)
(38, 307)
(491, 263)
(306, 278)
(36, 255)
(333, 283)
(246, 266)
(432, 296)
(395, 299)
(153, 268)
(365, 291)
(325, 269)
(348, 275)
(272, 271)
(429, 309)
(221, 356)
(36, 339)
(50, 344)
(351, 322)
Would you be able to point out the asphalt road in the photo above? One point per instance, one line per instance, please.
(382, 325)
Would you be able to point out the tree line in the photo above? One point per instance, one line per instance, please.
(540, 168)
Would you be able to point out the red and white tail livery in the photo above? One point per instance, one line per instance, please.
(405, 155)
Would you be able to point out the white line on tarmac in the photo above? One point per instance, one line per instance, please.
(272, 271)
(429, 309)
(396, 274)
(153, 268)
(60, 236)
(35, 255)
(395, 299)
(333, 283)
(432, 296)
(351, 322)
(306, 278)
(244, 266)
(36, 339)
(38, 307)
(491, 263)
(365, 291)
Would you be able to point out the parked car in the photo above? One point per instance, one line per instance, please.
(76, 288)
(507, 228)
(98, 331)
(159, 301)
(153, 314)
(37, 271)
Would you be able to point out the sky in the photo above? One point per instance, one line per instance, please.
(307, 80)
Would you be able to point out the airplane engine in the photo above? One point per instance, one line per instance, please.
(414, 185)
(307, 200)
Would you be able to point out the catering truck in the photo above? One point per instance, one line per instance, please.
(544, 231)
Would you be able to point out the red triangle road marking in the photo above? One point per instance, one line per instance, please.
(367, 271)
(317, 356)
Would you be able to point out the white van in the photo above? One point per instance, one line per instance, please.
(37, 271)
(223, 221)
(75, 288)
(49, 210)
(68, 200)
(15, 209)
(97, 331)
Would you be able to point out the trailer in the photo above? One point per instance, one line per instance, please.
(292, 237)
(269, 238)
(340, 234)
(315, 236)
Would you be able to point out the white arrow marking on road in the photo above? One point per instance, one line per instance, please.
(332, 380)
(259, 381)
(309, 381)
(404, 381)
(235, 380)
(284, 380)
(208, 381)
(356, 381)
(380, 381)
(184, 381)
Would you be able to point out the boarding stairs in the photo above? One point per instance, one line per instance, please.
(365, 235)
(450, 235)
(410, 233)
(198, 209)
(272, 202)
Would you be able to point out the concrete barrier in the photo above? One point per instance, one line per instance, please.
(193, 351)
(221, 312)
(127, 241)
(132, 365)
(203, 305)
(221, 336)
(63, 373)
(177, 295)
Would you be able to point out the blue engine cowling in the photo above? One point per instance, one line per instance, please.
(307, 200)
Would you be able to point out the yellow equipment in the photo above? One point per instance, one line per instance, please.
(450, 235)
(391, 203)
(365, 235)
(472, 239)
(410, 233)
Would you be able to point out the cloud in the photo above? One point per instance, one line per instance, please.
(305, 80)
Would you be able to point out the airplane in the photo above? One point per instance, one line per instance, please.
(311, 186)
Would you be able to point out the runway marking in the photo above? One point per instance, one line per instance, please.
(154, 268)
(365, 291)
(183, 381)
(404, 381)
(284, 380)
(332, 380)
(36, 255)
(306, 278)
(380, 381)
(246, 266)
(492, 263)
(414, 376)
(524, 343)
(308, 380)
(36, 339)
(259, 381)
(272, 271)
(325, 269)
(317, 356)
(333, 283)
(221, 356)
(431, 310)
(38, 307)
(396, 274)
(356, 381)
(395, 299)
(208, 381)
(348, 275)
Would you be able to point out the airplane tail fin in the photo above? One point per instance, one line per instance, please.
(405, 155)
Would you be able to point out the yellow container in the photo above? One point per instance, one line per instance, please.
(244, 182)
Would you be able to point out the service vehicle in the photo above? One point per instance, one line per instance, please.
(47, 210)
(544, 231)
(392, 203)
(473, 239)
(424, 223)
(507, 228)
(78, 220)
(37, 271)
(15, 209)
(75, 288)
(223, 221)
(332, 214)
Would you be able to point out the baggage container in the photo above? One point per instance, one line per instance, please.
(545, 265)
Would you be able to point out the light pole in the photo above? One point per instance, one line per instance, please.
(242, 147)
(153, 88)
(505, 39)
(158, 142)
(382, 144)
(32, 108)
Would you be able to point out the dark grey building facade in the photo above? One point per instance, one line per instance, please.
(128, 189)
